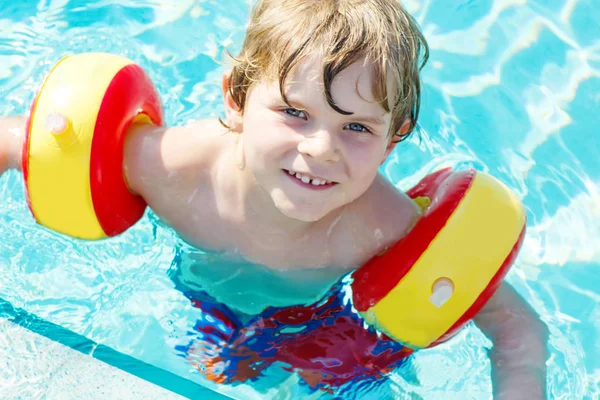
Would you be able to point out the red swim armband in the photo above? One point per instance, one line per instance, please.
(73, 153)
(425, 288)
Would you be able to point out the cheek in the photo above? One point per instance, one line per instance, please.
(364, 160)
(264, 136)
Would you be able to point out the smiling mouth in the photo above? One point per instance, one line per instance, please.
(309, 180)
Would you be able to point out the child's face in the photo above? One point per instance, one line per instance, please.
(315, 140)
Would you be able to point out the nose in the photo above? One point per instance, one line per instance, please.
(321, 146)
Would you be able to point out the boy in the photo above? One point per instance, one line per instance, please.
(317, 99)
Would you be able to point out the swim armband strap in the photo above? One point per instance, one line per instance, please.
(425, 288)
(72, 158)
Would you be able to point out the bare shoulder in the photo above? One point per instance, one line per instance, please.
(171, 157)
(376, 221)
(173, 169)
(387, 212)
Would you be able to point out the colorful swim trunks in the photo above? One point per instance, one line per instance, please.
(327, 343)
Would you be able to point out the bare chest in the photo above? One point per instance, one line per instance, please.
(342, 247)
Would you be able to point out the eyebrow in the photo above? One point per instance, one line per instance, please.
(368, 119)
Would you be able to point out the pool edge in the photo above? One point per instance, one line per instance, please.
(106, 355)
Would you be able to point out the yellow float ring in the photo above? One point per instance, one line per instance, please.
(425, 288)
(73, 153)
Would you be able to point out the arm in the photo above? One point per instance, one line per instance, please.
(152, 154)
(158, 162)
(520, 351)
(12, 133)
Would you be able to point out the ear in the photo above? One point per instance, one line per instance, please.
(233, 114)
(401, 133)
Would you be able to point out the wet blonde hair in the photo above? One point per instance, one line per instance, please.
(281, 33)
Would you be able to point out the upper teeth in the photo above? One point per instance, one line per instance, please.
(308, 179)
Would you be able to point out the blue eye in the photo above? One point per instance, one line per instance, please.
(358, 127)
(295, 113)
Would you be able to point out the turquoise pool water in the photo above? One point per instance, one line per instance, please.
(512, 88)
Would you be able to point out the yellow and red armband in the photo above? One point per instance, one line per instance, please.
(72, 158)
(425, 288)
